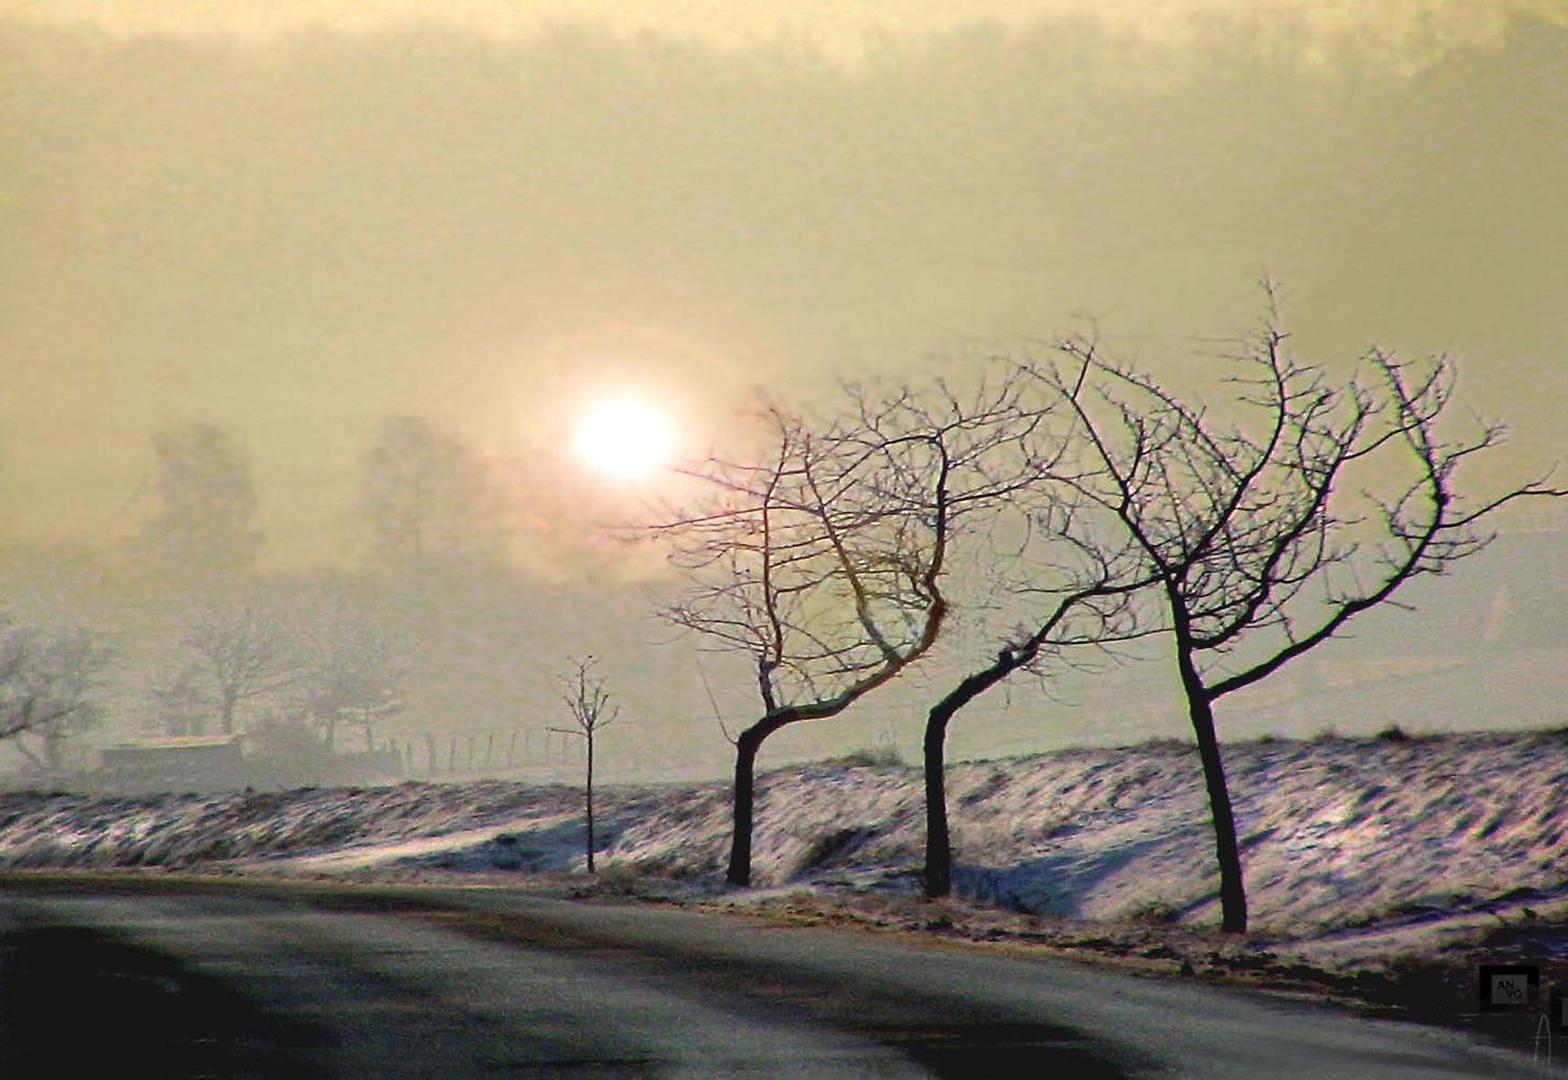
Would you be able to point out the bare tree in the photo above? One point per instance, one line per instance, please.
(177, 703)
(353, 678)
(823, 561)
(242, 656)
(1260, 542)
(584, 693)
(1085, 585)
(49, 686)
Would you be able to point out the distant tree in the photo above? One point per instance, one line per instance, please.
(352, 678)
(203, 504)
(1265, 542)
(822, 560)
(50, 686)
(584, 693)
(179, 704)
(240, 657)
(429, 503)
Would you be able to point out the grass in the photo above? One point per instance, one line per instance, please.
(884, 755)
(1156, 913)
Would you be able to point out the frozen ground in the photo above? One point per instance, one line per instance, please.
(1367, 860)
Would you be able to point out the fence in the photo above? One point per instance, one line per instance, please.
(485, 752)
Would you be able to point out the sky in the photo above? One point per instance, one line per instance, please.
(840, 25)
(293, 220)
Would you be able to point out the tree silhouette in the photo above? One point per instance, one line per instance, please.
(1085, 588)
(204, 505)
(241, 656)
(429, 503)
(178, 703)
(353, 677)
(584, 694)
(822, 559)
(1265, 542)
(50, 682)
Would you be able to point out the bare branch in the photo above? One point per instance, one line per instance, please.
(824, 561)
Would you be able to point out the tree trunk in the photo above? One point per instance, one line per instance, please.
(1233, 894)
(746, 747)
(589, 786)
(939, 851)
(228, 713)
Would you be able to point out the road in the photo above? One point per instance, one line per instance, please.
(253, 980)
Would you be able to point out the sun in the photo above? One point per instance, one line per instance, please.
(624, 437)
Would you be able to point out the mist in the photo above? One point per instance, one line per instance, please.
(294, 230)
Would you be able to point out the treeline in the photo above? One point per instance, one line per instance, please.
(177, 628)
(428, 504)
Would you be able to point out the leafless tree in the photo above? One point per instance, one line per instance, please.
(353, 677)
(584, 693)
(50, 682)
(241, 656)
(1262, 546)
(1084, 585)
(177, 703)
(822, 560)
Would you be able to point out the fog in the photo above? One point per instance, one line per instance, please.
(294, 225)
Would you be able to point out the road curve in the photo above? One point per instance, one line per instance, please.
(264, 981)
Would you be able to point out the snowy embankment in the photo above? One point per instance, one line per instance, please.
(1336, 833)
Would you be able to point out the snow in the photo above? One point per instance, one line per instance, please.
(1349, 845)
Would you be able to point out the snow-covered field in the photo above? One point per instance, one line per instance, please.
(1358, 852)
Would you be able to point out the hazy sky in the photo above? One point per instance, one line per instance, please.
(293, 219)
(837, 24)
(339, 214)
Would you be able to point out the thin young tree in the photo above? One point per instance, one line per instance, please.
(822, 561)
(585, 695)
(1268, 533)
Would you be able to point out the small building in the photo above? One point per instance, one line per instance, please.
(176, 763)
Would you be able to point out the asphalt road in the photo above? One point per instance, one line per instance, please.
(260, 981)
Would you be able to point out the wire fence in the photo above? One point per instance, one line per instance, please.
(431, 755)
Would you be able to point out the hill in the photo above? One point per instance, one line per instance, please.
(1381, 871)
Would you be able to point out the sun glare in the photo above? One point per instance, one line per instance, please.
(625, 437)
